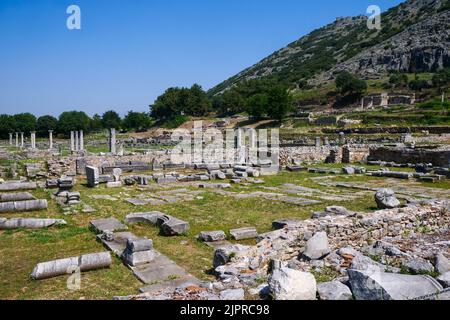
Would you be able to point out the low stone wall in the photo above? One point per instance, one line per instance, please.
(353, 154)
(111, 160)
(438, 157)
(306, 154)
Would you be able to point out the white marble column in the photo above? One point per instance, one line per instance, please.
(72, 141)
(77, 141)
(17, 139)
(10, 139)
(81, 133)
(22, 144)
(33, 139)
(50, 139)
(112, 141)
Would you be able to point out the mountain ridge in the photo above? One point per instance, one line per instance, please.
(315, 57)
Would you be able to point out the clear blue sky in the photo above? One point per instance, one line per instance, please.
(129, 51)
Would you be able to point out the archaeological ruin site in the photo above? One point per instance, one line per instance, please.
(320, 173)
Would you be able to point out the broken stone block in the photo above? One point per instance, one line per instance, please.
(244, 233)
(60, 267)
(129, 181)
(348, 170)
(114, 184)
(109, 224)
(65, 183)
(290, 284)
(212, 236)
(224, 254)
(138, 252)
(29, 223)
(282, 223)
(143, 217)
(51, 183)
(317, 247)
(171, 226)
(385, 199)
(369, 285)
(92, 176)
(116, 172)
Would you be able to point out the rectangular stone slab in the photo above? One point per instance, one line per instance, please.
(160, 269)
(244, 233)
(109, 224)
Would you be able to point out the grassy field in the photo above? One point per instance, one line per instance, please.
(21, 250)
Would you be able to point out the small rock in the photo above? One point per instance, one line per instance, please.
(317, 247)
(334, 290)
(418, 266)
(444, 279)
(442, 264)
(385, 199)
(232, 294)
(290, 284)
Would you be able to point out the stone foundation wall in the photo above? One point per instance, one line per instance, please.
(353, 154)
(438, 157)
(305, 154)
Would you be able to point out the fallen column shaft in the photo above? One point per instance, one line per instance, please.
(16, 186)
(21, 206)
(61, 267)
(29, 223)
(20, 196)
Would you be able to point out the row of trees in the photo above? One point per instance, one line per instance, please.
(440, 80)
(72, 120)
(259, 98)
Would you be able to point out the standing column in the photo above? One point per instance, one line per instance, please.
(81, 140)
(239, 138)
(33, 139)
(72, 141)
(17, 139)
(318, 142)
(77, 141)
(112, 141)
(252, 136)
(21, 140)
(50, 139)
(10, 139)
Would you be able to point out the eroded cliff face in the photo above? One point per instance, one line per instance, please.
(423, 47)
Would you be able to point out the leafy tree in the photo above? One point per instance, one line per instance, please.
(279, 102)
(418, 84)
(230, 102)
(257, 105)
(181, 101)
(198, 103)
(111, 119)
(348, 84)
(136, 121)
(7, 125)
(441, 79)
(24, 122)
(96, 123)
(73, 120)
(46, 123)
(398, 80)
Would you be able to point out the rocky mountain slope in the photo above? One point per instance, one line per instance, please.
(414, 38)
